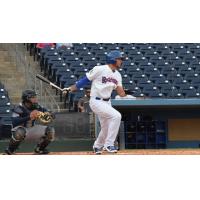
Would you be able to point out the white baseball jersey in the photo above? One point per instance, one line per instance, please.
(104, 81)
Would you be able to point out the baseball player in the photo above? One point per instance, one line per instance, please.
(24, 127)
(105, 79)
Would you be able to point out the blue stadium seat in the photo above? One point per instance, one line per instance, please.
(179, 63)
(167, 88)
(109, 46)
(5, 111)
(155, 94)
(165, 52)
(145, 84)
(177, 47)
(92, 45)
(48, 56)
(66, 81)
(139, 58)
(162, 47)
(138, 93)
(143, 46)
(196, 81)
(133, 70)
(193, 47)
(175, 94)
(171, 67)
(150, 70)
(133, 52)
(49, 62)
(155, 58)
(56, 66)
(129, 86)
(68, 58)
(192, 94)
(60, 72)
(157, 46)
(189, 58)
(150, 53)
(191, 75)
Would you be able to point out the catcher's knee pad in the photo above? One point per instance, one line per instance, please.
(19, 134)
(50, 133)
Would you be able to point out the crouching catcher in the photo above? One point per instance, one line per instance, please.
(31, 122)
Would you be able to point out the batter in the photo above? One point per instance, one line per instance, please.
(105, 79)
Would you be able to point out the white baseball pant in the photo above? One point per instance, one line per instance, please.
(110, 120)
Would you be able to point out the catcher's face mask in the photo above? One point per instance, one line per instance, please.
(34, 102)
(31, 103)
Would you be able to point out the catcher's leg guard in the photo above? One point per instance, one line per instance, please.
(18, 136)
(45, 141)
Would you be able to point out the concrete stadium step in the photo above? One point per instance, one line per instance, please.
(60, 104)
(4, 66)
(11, 77)
(7, 62)
(57, 98)
(14, 77)
(3, 53)
(5, 76)
(15, 99)
(14, 80)
(4, 59)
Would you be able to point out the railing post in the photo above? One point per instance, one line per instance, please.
(45, 100)
(41, 91)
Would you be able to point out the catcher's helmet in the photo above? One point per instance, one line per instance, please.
(27, 94)
(113, 56)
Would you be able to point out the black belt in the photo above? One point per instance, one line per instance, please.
(97, 98)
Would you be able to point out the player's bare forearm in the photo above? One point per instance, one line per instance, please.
(120, 91)
(73, 88)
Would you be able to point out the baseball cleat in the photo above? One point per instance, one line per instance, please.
(39, 151)
(111, 149)
(97, 151)
(8, 152)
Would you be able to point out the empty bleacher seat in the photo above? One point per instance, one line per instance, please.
(165, 65)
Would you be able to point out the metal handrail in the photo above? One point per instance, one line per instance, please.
(52, 99)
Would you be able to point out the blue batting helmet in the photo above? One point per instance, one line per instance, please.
(113, 56)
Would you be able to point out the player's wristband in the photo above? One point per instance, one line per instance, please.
(82, 82)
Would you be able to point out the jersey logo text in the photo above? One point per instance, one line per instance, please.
(109, 79)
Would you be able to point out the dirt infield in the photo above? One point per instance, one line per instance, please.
(132, 152)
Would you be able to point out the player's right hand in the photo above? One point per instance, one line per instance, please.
(65, 90)
(73, 88)
(34, 114)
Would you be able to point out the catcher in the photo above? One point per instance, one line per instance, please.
(31, 122)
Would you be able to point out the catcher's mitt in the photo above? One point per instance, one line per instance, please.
(44, 117)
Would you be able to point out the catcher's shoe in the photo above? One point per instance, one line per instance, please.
(39, 151)
(9, 152)
(97, 151)
(111, 149)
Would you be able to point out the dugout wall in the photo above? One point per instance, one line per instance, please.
(160, 123)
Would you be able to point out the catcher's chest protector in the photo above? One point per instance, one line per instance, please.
(22, 111)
